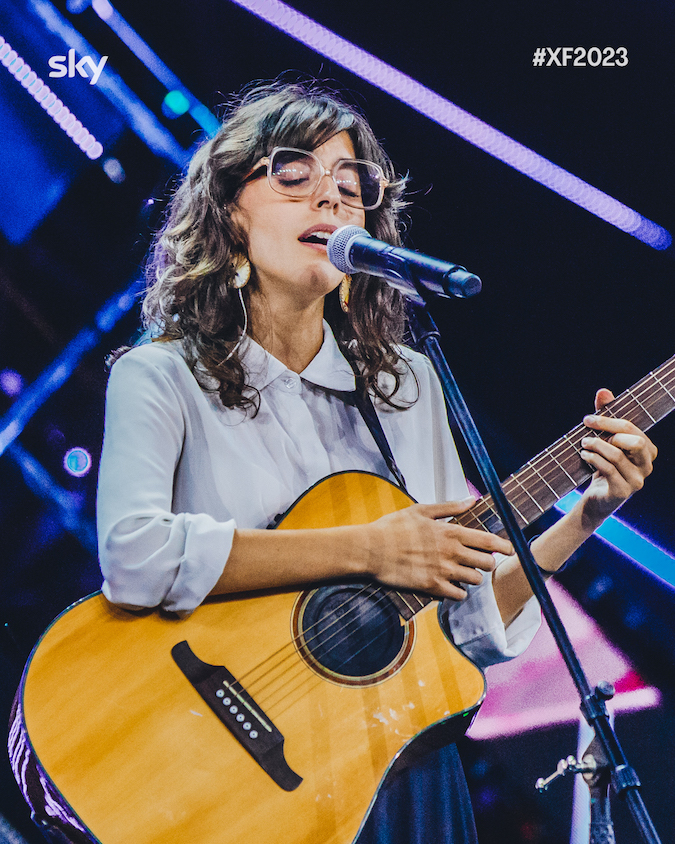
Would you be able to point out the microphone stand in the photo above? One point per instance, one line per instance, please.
(624, 780)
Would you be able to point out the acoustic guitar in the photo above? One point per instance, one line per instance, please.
(272, 717)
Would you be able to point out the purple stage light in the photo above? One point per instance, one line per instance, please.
(456, 120)
(59, 113)
(11, 383)
(77, 462)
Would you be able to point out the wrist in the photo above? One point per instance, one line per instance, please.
(357, 550)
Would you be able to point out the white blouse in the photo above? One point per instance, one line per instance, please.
(178, 473)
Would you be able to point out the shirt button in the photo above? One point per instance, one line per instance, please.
(289, 382)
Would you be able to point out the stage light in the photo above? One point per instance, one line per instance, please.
(175, 103)
(11, 383)
(457, 120)
(68, 504)
(41, 92)
(199, 112)
(114, 170)
(77, 462)
(75, 7)
(628, 541)
(59, 371)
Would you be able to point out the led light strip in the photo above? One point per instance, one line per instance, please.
(59, 371)
(154, 64)
(67, 503)
(455, 119)
(41, 93)
(628, 541)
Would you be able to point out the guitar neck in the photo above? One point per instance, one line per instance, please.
(551, 475)
(558, 470)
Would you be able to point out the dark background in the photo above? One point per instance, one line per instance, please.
(569, 302)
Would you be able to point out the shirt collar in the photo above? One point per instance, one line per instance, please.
(328, 368)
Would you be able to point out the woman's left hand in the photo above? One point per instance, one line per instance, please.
(621, 462)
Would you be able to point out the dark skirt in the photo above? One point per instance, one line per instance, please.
(427, 802)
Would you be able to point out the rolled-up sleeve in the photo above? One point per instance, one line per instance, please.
(476, 627)
(149, 555)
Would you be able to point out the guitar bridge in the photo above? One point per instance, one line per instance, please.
(239, 713)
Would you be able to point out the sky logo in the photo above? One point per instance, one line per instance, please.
(58, 63)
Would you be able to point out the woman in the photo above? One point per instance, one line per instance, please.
(246, 399)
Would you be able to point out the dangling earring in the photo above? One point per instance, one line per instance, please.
(243, 330)
(242, 274)
(345, 288)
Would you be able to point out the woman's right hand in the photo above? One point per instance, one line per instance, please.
(416, 549)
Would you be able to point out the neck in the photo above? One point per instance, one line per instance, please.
(291, 333)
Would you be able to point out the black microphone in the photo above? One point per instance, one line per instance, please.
(351, 249)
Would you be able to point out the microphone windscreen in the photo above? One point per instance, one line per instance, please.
(338, 246)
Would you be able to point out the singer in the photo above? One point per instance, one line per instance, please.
(245, 398)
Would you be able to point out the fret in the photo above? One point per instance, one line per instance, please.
(529, 495)
(537, 472)
(408, 604)
(513, 504)
(663, 386)
(563, 468)
(630, 392)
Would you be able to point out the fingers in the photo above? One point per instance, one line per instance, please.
(467, 537)
(603, 397)
(415, 548)
(622, 456)
(632, 440)
(444, 509)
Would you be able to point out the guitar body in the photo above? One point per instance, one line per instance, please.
(141, 756)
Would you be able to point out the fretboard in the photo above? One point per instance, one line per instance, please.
(558, 470)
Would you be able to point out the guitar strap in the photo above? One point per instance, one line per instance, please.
(364, 404)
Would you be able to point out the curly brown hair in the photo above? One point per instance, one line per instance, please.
(196, 251)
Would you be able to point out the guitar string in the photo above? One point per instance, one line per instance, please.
(302, 642)
(629, 397)
(305, 673)
(568, 446)
(294, 640)
(568, 442)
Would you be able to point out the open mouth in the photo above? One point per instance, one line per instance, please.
(317, 234)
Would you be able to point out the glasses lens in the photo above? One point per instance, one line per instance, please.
(359, 183)
(293, 172)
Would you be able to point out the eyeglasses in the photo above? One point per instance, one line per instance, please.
(296, 172)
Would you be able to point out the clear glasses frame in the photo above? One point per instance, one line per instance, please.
(305, 185)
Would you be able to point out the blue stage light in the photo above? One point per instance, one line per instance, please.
(199, 112)
(175, 104)
(628, 541)
(77, 462)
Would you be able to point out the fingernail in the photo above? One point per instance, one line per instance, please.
(587, 440)
(590, 419)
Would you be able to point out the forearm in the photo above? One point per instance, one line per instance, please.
(550, 550)
(268, 559)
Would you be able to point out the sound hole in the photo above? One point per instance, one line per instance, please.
(353, 631)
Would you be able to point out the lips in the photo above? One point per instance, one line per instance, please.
(317, 234)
